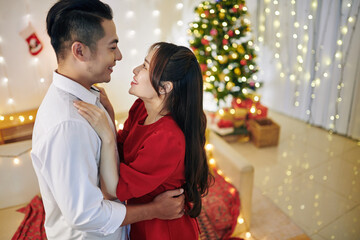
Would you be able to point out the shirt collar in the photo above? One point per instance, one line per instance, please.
(74, 88)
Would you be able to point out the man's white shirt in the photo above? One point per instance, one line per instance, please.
(66, 155)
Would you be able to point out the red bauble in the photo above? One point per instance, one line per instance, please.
(243, 62)
(231, 33)
(204, 41)
(225, 41)
(203, 67)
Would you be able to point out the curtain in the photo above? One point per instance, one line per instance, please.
(309, 61)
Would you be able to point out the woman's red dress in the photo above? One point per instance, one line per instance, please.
(152, 162)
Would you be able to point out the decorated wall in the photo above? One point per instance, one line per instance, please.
(307, 54)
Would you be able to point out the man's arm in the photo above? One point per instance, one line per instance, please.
(168, 205)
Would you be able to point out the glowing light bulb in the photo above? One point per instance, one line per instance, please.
(10, 101)
(240, 220)
(129, 14)
(156, 13)
(21, 118)
(2, 60)
(157, 31)
(121, 126)
(16, 161)
(179, 6)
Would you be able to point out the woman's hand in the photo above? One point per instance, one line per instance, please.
(97, 119)
(106, 102)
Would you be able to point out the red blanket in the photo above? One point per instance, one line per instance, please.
(220, 210)
(32, 227)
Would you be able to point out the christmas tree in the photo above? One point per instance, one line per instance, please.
(221, 41)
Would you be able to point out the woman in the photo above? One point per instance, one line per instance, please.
(162, 144)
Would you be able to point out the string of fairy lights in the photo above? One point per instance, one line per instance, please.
(305, 64)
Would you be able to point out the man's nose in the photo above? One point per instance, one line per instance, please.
(118, 55)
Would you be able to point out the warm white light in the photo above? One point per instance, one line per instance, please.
(314, 4)
(131, 33)
(180, 23)
(310, 17)
(248, 235)
(212, 161)
(293, 13)
(282, 74)
(277, 44)
(351, 19)
(305, 27)
(179, 6)
(121, 126)
(296, 24)
(157, 31)
(209, 146)
(326, 74)
(16, 161)
(267, 10)
(252, 109)
(156, 13)
(31, 117)
(338, 55)
(344, 30)
(10, 101)
(339, 42)
(299, 46)
(2, 118)
(35, 60)
(133, 52)
(42, 80)
(276, 23)
(5, 80)
(129, 14)
(277, 13)
(277, 55)
(292, 77)
(2, 59)
(240, 220)
(278, 35)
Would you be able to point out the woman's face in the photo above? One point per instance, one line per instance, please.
(141, 85)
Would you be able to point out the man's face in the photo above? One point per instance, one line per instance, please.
(107, 53)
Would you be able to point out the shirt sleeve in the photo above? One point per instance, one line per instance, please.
(70, 167)
(159, 157)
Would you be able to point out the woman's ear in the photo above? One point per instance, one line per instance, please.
(80, 51)
(166, 87)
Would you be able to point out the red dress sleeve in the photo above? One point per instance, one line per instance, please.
(160, 155)
(130, 121)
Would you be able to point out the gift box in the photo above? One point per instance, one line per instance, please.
(264, 132)
(254, 108)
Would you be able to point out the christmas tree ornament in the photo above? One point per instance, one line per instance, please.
(34, 44)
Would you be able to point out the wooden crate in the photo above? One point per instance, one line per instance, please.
(17, 126)
(264, 132)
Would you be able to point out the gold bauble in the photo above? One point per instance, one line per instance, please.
(222, 77)
(223, 59)
(221, 15)
(237, 71)
(240, 49)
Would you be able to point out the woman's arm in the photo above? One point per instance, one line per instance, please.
(109, 167)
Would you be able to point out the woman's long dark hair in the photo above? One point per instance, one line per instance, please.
(179, 65)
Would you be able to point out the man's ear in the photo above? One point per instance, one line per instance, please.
(167, 87)
(80, 51)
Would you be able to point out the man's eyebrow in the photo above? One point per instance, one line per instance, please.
(114, 41)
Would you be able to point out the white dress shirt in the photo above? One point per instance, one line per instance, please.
(65, 155)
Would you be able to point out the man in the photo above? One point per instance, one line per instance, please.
(66, 150)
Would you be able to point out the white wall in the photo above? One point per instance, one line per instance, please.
(24, 74)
